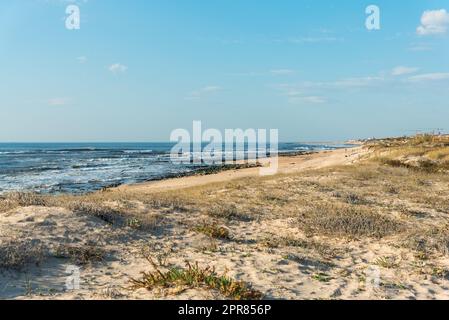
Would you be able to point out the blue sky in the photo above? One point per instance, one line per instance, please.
(138, 69)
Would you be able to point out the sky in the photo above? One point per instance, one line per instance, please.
(136, 70)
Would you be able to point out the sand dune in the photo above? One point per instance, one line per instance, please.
(247, 227)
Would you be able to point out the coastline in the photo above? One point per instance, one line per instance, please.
(312, 231)
(287, 164)
(80, 168)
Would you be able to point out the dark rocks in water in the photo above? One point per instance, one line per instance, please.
(208, 170)
(297, 153)
(196, 171)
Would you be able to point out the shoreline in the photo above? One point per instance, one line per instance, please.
(200, 170)
(287, 164)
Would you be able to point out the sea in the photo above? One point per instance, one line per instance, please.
(78, 168)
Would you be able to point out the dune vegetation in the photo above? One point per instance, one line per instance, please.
(309, 234)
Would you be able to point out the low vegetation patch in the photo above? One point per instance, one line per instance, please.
(21, 199)
(98, 210)
(194, 276)
(435, 239)
(279, 242)
(16, 254)
(424, 165)
(387, 262)
(213, 231)
(427, 153)
(228, 212)
(168, 201)
(81, 255)
(145, 222)
(322, 277)
(347, 221)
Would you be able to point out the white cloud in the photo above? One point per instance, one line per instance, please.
(433, 22)
(293, 93)
(246, 74)
(401, 70)
(429, 77)
(198, 94)
(313, 99)
(345, 83)
(315, 92)
(57, 102)
(301, 99)
(305, 40)
(274, 72)
(209, 89)
(356, 82)
(118, 68)
(420, 47)
(298, 94)
(82, 59)
(282, 72)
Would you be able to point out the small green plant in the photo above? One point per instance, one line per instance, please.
(322, 277)
(193, 276)
(134, 223)
(387, 262)
(28, 286)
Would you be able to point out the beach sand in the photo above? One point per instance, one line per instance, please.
(261, 242)
(287, 164)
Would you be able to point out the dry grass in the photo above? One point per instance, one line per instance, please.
(213, 231)
(145, 222)
(321, 248)
(387, 262)
(431, 240)
(21, 199)
(16, 254)
(418, 142)
(439, 154)
(194, 276)
(428, 153)
(425, 165)
(229, 212)
(347, 221)
(82, 254)
(105, 213)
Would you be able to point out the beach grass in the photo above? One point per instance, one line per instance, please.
(194, 276)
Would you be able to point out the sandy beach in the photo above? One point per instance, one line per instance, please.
(330, 225)
(287, 164)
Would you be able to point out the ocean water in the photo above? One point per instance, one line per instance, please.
(85, 167)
